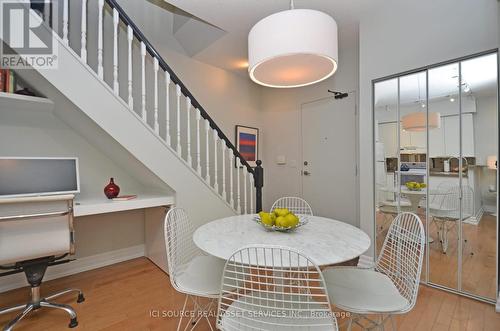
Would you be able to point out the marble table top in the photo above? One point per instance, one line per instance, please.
(406, 191)
(325, 241)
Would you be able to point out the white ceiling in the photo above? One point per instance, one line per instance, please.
(480, 75)
(236, 18)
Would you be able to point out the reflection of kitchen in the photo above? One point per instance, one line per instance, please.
(478, 150)
(440, 127)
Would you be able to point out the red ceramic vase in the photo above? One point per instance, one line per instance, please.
(111, 190)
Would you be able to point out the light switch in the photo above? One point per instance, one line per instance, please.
(281, 159)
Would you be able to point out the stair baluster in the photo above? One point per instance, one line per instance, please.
(116, 19)
(224, 147)
(245, 201)
(167, 108)
(178, 93)
(130, 38)
(216, 181)
(156, 124)
(83, 50)
(231, 184)
(198, 155)
(188, 132)
(46, 13)
(65, 22)
(207, 141)
(252, 192)
(238, 187)
(100, 68)
(144, 114)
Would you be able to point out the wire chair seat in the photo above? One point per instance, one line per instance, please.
(364, 291)
(201, 276)
(255, 312)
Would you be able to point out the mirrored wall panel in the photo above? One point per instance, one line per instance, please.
(435, 154)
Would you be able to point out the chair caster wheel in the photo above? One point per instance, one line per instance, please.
(73, 323)
(81, 298)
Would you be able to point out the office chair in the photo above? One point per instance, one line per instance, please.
(31, 241)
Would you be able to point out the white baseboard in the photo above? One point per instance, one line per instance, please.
(366, 262)
(474, 220)
(79, 265)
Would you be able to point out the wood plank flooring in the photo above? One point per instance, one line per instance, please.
(124, 296)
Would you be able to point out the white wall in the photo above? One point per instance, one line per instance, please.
(485, 128)
(281, 120)
(485, 131)
(402, 35)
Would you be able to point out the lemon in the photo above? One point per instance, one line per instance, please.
(266, 218)
(281, 211)
(281, 221)
(291, 220)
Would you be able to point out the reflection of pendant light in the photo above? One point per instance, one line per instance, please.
(417, 121)
(293, 48)
(491, 162)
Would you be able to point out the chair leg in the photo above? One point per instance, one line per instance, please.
(11, 309)
(349, 326)
(26, 311)
(381, 324)
(73, 322)
(393, 325)
(182, 313)
(203, 310)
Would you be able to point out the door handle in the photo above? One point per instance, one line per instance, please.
(306, 173)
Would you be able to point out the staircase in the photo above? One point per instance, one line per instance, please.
(111, 72)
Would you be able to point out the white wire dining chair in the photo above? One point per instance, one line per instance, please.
(295, 205)
(191, 272)
(446, 214)
(391, 287)
(267, 296)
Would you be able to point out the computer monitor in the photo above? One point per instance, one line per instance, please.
(32, 176)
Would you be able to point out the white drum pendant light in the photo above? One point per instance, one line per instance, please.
(293, 48)
(417, 121)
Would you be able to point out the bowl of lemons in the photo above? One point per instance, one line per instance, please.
(281, 219)
(415, 186)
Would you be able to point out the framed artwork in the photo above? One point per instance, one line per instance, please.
(247, 143)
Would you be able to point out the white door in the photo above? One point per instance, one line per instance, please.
(329, 157)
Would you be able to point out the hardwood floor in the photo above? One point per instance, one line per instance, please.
(123, 297)
(478, 269)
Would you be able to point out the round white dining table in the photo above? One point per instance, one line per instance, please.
(414, 196)
(325, 241)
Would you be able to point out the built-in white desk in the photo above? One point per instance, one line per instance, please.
(154, 241)
(94, 206)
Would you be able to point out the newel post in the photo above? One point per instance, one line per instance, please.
(259, 183)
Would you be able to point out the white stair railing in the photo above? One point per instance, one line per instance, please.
(231, 188)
